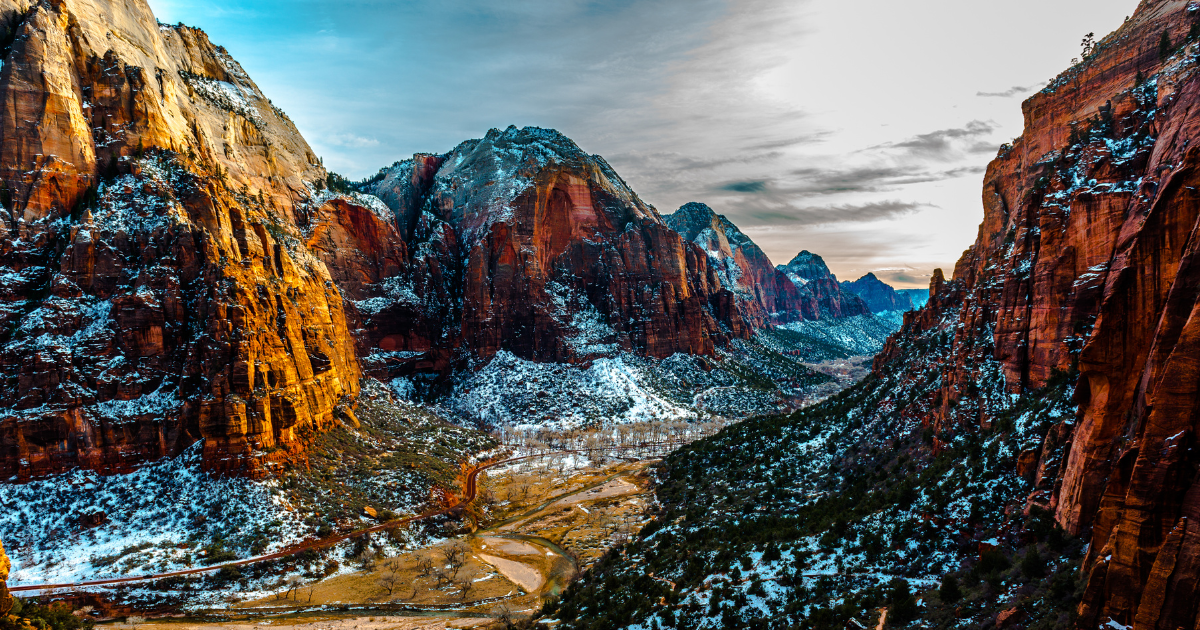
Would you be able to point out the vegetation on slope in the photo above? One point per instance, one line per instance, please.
(810, 519)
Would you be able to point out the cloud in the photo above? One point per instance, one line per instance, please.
(745, 187)
(851, 179)
(808, 216)
(810, 138)
(946, 144)
(1010, 92)
(351, 141)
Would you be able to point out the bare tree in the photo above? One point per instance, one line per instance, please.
(456, 557)
(504, 615)
(425, 565)
(441, 575)
(293, 586)
(464, 588)
(390, 578)
(367, 559)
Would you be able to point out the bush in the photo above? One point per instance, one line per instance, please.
(55, 616)
(992, 561)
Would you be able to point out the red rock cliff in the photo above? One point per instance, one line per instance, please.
(1088, 258)
(154, 287)
(522, 242)
(765, 294)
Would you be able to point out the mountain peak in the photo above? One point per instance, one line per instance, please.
(808, 266)
(692, 218)
(879, 295)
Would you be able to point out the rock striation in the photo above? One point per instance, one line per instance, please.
(765, 295)
(1087, 260)
(879, 296)
(155, 286)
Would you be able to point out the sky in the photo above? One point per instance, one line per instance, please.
(856, 130)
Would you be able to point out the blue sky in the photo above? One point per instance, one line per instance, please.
(855, 130)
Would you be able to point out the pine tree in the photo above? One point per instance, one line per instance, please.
(950, 592)
(1165, 48)
(1033, 565)
(903, 607)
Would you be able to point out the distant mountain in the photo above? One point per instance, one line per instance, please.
(765, 294)
(809, 272)
(521, 242)
(879, 296)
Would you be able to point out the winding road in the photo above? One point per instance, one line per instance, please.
(469, 493)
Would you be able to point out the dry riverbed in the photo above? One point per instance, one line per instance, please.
(541, 524)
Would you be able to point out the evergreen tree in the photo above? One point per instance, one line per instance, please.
(1165, 48)
(1033, 565)
(950, 592)
(903, 607)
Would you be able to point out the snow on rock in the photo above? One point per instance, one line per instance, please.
(512, 391)
(858, 334)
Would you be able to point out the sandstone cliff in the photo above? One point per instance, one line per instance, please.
(764, 295)
(521, 242)
(155, 288)
(1087, 259)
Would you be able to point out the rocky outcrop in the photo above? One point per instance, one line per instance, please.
(155, 288)
(521, 242)
(879, 296)
(1087, 260)
(764, 294)
(821, 295)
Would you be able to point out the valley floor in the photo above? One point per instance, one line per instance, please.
(538, 524)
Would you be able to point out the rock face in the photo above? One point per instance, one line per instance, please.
(764, 294)
(521, 242)
(155, 288)
(1087, 258)
(879, 296)
(822, 294)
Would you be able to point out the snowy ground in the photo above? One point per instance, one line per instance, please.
(743, 380)
(166, 516)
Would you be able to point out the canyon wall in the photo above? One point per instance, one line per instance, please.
(1087, 262)
(155, 289)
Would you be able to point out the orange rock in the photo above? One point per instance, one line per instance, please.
(179, 304)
